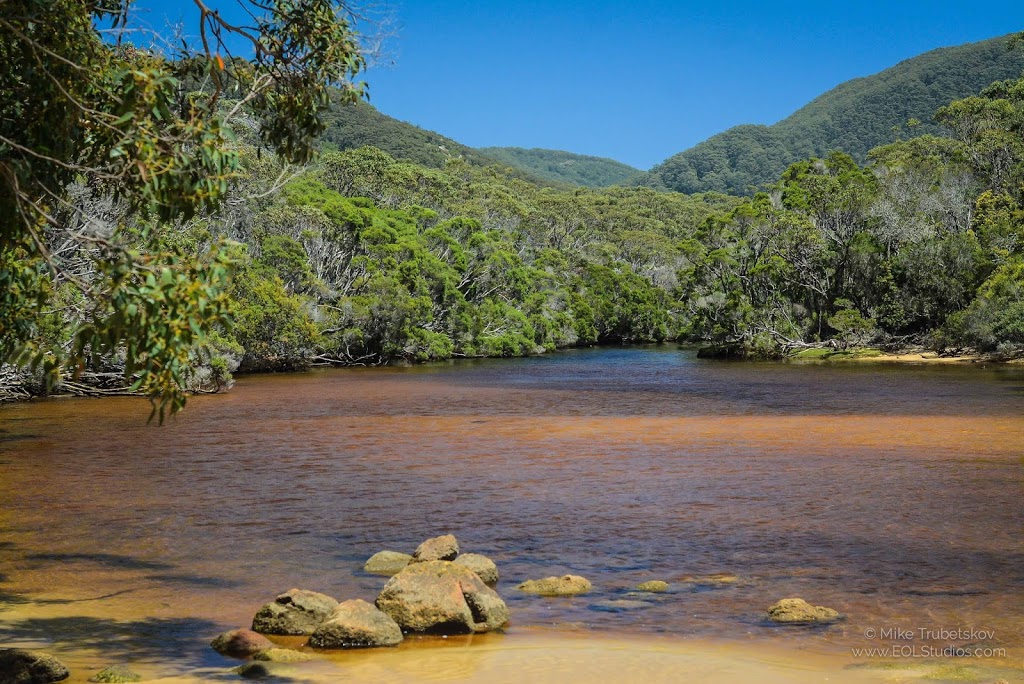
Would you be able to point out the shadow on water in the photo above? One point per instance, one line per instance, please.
(109, 560)
(183, 640)
(198, 581)
(8, 598)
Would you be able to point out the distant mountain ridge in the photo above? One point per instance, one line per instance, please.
(361, 124)
(565, 167)
(853, 117)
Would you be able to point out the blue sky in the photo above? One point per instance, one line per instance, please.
(639, 81)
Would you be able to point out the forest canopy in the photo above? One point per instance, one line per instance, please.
(179, 217)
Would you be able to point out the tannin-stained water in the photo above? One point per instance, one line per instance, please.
(891, 493)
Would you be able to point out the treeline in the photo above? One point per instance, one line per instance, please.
(365, 259)
(924, 245)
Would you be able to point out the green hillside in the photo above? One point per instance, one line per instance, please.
(853, 117)
(565, 167)
(361, 124)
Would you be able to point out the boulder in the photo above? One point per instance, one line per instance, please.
(282, 655)
(796, 611)
(483, 566)
(387, 563)
(654, 586)
(444, 548)
(296, 612)
(356, 624)
(441, 597)
(19, 666)
(116, 674)
(566, 585)
(240, 643)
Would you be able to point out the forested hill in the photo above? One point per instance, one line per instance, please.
(853, 117)
(565, 167)
(361, 125)
(351, 126)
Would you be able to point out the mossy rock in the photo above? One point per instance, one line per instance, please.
(796, 611)
(566, 585)
(652, 586)
(388, 563)
(719, 580)
(116, 674)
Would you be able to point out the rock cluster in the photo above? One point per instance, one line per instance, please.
(434, 590)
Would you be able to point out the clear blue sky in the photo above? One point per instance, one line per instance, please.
(641, 80)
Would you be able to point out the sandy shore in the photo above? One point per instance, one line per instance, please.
(554, 657)
(908, 356)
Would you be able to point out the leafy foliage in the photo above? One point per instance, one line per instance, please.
(103, 147)
(393, 260)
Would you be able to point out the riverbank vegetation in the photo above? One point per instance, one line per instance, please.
(140, 274)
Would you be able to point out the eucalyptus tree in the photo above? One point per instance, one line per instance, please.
(151, 130)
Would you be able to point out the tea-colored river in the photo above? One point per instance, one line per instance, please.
(891, 493)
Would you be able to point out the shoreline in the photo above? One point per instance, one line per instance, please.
(911, 356)
(813, 355)
(554, 655)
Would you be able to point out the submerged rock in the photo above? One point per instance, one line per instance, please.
(620, 605)
(240, 643)
(116, 674)
(653, 586)
(445, 548)
(20, 666)
(716, 581)
(795, 611)
(282, 655)
(257, 669)
(296, 612)
(566, 585)
(387, 563)
(483, 566)
(356, 624)
(442, 598)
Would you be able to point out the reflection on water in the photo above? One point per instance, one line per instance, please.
(890, 493)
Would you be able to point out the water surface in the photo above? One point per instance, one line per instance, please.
(891, 493)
